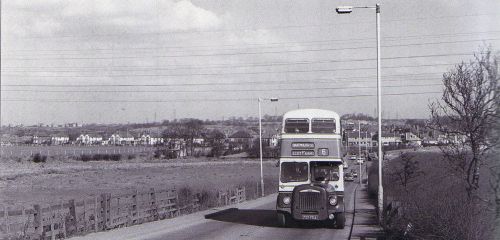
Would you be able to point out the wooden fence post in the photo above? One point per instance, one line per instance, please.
(153, 206)
(62, 217)
(96, 223)
(134, 207)
(52, 236)
(38, 220)
(6, 219)
(73, 221)
(118, 210)
(84, 216)
(26, 220)
(105, 205)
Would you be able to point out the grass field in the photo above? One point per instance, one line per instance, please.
(70, 150)
(23, 182)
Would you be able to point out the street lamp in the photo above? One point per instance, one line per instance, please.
(347, 10)
(260, 141)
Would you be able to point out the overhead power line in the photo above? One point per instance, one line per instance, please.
(400, 77)
(191, 55)
(244, 73)
(112, 51)
(235, 66)
(207, 100)
(218, 90)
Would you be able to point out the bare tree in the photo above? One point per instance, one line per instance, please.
(187, 130)
(407, 170)
(468, 112)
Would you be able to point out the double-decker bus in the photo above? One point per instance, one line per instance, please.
(311, 182)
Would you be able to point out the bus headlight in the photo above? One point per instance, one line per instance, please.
(333, 200)
(286, 200)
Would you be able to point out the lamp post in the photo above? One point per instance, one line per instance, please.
(347, 10)
(359, 152)
(260, 141)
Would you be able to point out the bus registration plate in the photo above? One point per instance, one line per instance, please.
(309, 217)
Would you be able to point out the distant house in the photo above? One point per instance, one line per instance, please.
(270, 137)
(199, 141)
(240, 140)
(388, 139)
(430, 141)
(451, 138)
(122, 138)
(150, 139)
(363, 139)
(42, 140)
(177, 147)
(89, 139)
(59, 139)
(8, 139)
(412, 139)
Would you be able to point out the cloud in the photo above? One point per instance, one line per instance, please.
(83, 16)
(185, 16)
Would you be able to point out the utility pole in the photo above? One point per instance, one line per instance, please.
(359, 151)
(367, 141)
(347, 10)
(379, 103)
(260, 140)
(260, 149)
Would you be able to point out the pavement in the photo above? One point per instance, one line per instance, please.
(365, 224)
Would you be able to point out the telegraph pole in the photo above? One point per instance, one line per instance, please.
(359, 151)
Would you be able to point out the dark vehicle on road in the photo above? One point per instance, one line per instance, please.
(348, 177)
(311, 185)
(354, 173)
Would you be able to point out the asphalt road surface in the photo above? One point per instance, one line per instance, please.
(255, 219)
(259, 222)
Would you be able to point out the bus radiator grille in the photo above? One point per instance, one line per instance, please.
(309, 201)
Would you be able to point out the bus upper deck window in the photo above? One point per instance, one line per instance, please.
(323, 125)
(296, 125)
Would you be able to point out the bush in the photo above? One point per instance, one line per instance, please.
(37, 158)
(115, 157)
(131, 156)
(164, 153)
(101, 157)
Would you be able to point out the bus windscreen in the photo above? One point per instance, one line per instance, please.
(294, 172)
(325, 171)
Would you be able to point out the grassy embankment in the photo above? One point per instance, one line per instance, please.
(424, 200)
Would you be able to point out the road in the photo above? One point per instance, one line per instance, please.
(259, 222)
(254, 219)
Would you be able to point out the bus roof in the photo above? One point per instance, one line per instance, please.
(311, 113)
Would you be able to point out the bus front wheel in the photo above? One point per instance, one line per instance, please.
(340, 220)
(284, 219)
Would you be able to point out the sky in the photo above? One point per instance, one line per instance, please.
(118, 61)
